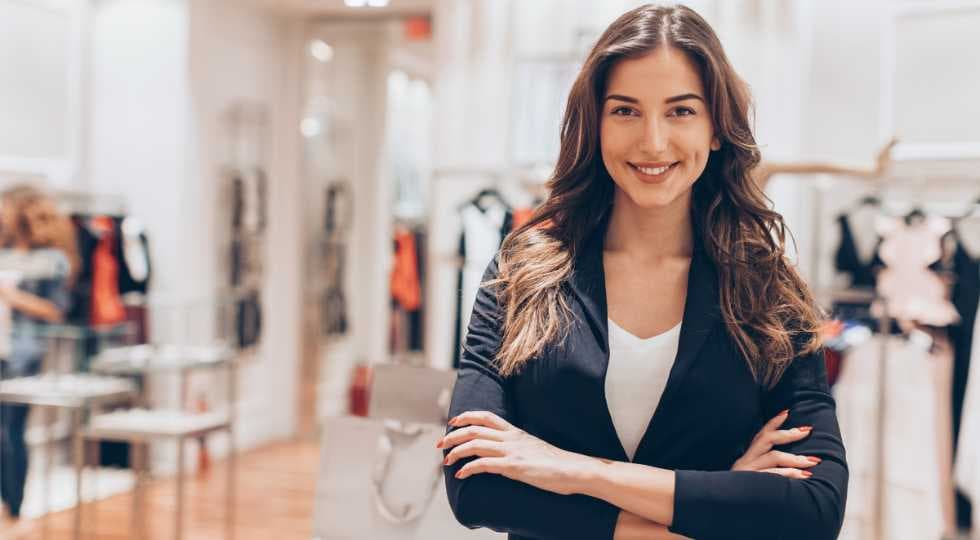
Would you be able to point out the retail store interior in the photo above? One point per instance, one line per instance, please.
(259, 227)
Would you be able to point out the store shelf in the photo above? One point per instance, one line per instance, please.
(143, 424)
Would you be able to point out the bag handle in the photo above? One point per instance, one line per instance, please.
(396, 434)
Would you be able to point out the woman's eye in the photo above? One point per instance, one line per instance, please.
(683, 111)
(623, 111)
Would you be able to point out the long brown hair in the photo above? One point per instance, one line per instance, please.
(59, 233)
(767, 308)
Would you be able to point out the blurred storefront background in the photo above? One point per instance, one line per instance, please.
(280, 211)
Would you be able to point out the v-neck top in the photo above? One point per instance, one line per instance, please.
(636, 379)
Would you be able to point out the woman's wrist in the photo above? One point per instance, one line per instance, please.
(590, 476)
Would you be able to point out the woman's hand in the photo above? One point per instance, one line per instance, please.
(509, 451)
(761, 457)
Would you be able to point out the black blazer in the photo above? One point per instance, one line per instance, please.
(710, 411)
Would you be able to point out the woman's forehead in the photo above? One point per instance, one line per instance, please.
(654, 77)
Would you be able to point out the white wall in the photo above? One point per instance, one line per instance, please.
(41, 65)
(140, 126)
(242, 54)
(163, 73)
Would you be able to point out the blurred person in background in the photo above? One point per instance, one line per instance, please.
(36, 245)
(642, 359)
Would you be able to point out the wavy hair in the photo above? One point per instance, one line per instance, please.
(767, 308)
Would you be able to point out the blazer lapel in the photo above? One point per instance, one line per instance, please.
(701, 313)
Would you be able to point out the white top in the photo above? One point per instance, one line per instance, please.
(636, 378)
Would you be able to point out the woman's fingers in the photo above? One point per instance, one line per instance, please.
(760, 444)
(469, 433)
(765, 441)
(786, 436)
(775, 458)
(790, 473)
(480, 418)
(476, 447)
(495, 465)
(775, 422)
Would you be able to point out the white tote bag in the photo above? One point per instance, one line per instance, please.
(383, 480)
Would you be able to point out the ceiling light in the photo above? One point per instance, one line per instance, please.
(377, 3)
(355, 3)
(321, 50)
(310, 127)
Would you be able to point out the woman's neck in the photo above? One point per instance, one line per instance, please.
(650, 233)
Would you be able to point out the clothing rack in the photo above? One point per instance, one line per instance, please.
(88, 203)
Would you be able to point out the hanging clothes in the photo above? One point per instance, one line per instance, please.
(912, 502)
(404, 279)
(967, 467)
(911, 291)
(522, 216)
(133, 250)
(107, 306)
(484, 228)
(965, 297)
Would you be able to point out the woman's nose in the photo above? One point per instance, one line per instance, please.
(655, 136)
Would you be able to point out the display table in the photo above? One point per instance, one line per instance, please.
(145, 425)
(76, 393)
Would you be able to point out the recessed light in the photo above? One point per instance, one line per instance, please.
(355, 3)
(377, 3)
(321, 50)
(310, 127)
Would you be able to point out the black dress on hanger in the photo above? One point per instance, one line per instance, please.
(965, 297)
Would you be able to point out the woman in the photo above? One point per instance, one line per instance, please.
(642, 360)
(30, 227)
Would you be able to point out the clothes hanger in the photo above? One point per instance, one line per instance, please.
(480, 199)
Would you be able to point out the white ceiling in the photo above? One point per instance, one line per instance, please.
(336, 8)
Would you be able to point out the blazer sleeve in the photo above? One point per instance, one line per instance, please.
(494, 501)
(747, 504)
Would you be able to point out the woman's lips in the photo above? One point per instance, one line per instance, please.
(659, 173)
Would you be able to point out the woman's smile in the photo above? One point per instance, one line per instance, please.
(653, 173)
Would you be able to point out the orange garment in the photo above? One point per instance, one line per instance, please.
(522, 216)
(405, 286)
(107, 307)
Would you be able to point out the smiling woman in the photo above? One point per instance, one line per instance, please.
(641, 347)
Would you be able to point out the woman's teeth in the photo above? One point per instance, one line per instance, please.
(654, 171)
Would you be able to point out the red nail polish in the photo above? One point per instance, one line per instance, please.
(782, 412)
(459, 473)
(807, 474)
(438, 444)
(446, 461)
(805, 428)
(814, 459)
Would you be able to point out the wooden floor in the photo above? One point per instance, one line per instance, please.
(274, 500)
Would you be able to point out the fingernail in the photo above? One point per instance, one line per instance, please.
(459, 473)
(805, 429)
(446, 461)
(439, 443)
(807, 474)
(814, 459)
(782, 412)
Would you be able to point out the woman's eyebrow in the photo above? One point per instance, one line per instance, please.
(683, 97)
(619, 97)
(672, 99)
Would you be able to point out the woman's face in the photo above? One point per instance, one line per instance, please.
(656, 130)
(42, 219)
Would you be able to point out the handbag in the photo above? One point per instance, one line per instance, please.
(383, 480)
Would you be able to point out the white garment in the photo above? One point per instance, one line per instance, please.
(912, 509)
(481, 234)
(636, 378)
(967, 472)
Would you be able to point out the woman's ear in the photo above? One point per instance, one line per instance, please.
(715, 143)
